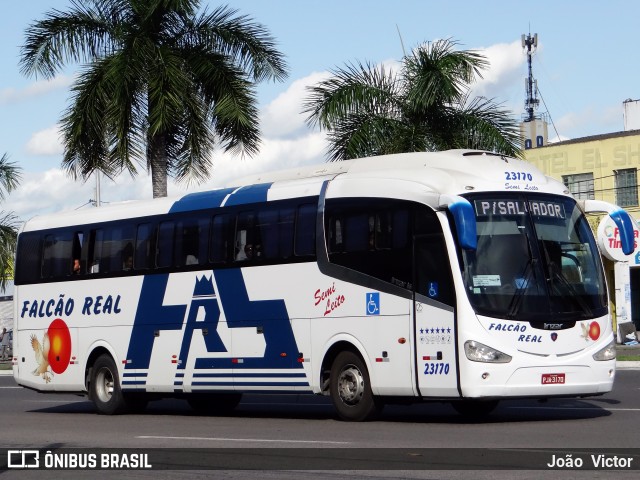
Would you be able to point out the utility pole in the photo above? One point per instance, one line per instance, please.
(97, 201)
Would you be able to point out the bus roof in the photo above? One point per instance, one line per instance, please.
(450, 172)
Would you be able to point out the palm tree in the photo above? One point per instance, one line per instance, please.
(160, 86)
(425, 106)
(9, 178)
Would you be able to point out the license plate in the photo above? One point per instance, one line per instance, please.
(552, 378)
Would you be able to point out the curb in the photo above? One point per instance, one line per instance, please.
(627, 365)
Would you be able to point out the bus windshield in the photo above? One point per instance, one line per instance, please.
(536, 260)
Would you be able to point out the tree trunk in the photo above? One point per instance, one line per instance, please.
(157, 158)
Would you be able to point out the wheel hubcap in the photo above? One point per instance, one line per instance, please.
(104, 385)
(351, 385)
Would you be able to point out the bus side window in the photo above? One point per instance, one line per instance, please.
(78, 262)
(305, 235)
(285, 232)
(120, 249)
(57, 258)
(275, 229)
(358, 233)
(372, 237)
(334, 233)
(222, 230)
(29, 268)
(143, 258)
(95, 250)
(248, 245)
(392, 229)
(191, 241)
(200, 243)
(164, 253)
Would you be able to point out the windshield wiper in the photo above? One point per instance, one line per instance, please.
(516, 300)
(514, 305)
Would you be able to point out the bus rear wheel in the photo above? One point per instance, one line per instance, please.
(350, 388)
(104, 389)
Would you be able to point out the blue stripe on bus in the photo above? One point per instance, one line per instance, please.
(250, 384)
(249, 194)
(249, 375)
(201, 200)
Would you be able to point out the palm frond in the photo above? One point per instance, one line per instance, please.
(10, 175)
(370, 111)
(485, 125)
(247, 43)
(435, 74)
(162, 81)
(81, 34)
(354, 90)
(8, 237)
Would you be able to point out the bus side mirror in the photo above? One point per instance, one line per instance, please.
(621, 218)
(464, 218)
(625, 226)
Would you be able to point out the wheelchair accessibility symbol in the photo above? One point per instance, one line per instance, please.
(373, 303)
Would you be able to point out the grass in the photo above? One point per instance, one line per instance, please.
(628, 358)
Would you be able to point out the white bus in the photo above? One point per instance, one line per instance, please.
(459, 276)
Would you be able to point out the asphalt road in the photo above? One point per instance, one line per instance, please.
(302, 432)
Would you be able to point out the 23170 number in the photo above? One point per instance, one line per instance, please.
(518, 176)
(436, 368)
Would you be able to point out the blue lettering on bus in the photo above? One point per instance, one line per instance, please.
(203, 297)
(508, 327)
(269, 317)
(97, 305)
(530, 338)
(152, 316)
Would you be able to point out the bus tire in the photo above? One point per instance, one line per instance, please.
(105, 391)
(474, 409)
(214, 403)
(350, 388)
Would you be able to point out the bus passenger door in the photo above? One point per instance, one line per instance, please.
(434, 318)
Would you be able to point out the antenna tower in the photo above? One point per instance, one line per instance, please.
(531, 85)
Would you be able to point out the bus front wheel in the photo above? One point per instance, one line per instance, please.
(351, 389)
(104, 390)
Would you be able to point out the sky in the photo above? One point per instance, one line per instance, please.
(586, 65)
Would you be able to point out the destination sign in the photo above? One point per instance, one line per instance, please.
(538, 208)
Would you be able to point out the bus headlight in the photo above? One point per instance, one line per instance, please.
(607, 353)
(479, 352)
